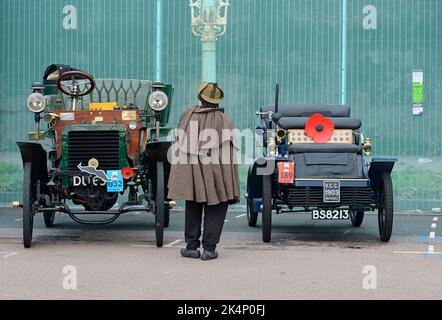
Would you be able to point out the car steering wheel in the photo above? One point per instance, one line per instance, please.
(72, 87)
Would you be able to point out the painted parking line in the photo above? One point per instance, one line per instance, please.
(170, 245)
(136, 213)
(143, 245)
(432, 234)
(435, 219)
(226, 220)
(240, 216)
(173, 243)
(18, 220)
(8, 254)
(417, 252)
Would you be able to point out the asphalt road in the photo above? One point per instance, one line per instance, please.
(305, 260)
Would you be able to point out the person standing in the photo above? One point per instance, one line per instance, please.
(204, 171)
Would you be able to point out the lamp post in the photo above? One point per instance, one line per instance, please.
(159, 42)
(344, 9)
(209, 21)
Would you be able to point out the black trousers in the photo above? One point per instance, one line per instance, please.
(214, 217)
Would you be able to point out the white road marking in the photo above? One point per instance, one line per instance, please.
(433, 226)
(432, 235)
(137, 213)
(435, 219)
(226, 220)
(18, 220)
(430, 248)
(143, 245)
(8, 254)
(416, 252)
(241, 215)
(173, 243)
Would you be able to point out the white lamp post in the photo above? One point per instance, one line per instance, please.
(209, 21)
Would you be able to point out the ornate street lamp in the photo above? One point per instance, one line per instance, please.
(209, 21)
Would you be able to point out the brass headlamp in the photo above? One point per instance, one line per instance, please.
(366, 144)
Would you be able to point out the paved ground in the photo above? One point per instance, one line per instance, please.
(306, 260)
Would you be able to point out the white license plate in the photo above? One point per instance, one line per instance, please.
(332, 191)
(331, 214)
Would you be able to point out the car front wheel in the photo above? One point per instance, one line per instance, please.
(267, 208)
(385, 208)
(28, 205)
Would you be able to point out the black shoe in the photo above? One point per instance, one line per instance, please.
(186, 253)
(209, 255)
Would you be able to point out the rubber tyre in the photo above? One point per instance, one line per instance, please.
(252, 216)
(159, 204)
(49, 218)
(28, 206)
(166, 217)
(267, 208)
(386, 208)
(356, 217)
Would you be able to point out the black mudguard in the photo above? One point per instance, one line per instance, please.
(254, 180)
(34, 153)
(157, 151)
(378, 167)
(254, 183)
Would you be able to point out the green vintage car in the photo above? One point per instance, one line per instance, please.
(96, 140)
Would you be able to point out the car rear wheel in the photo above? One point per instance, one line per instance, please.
(356, 217)
(166, 217)
(159, 204)
(266, 208)
(385, 208)
(28, 205)
(252, 216)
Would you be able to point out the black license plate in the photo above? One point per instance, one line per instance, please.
(330, 214)
(332, 191)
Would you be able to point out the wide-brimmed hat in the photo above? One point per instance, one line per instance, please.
(211, 92)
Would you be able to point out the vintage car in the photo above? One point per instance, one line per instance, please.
(104, 139)
(313, 161)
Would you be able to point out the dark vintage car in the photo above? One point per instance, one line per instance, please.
(313, 161)
(102, 139)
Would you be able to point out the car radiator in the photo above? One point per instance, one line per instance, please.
(101, 145)
(313, 196)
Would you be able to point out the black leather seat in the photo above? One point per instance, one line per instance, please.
(306, 110)
(323, 148)
(303, 111)
(295, 117)
(317, 160)
(299, 123)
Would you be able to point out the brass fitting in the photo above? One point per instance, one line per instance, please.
(280, 135)
(171, 204)
(271, 146)
(16, 204)
(49, 117)
(367, 146)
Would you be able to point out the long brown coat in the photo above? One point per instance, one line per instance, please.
(207, 170)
